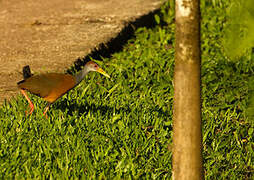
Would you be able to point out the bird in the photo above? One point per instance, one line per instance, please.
(52, 86)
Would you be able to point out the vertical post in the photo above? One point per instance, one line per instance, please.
(187, 146)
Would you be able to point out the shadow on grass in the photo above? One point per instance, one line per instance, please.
(107, 111)
(84, 108)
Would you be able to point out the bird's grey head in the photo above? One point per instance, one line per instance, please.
(92, 66)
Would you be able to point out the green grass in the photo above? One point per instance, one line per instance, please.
(122, 127)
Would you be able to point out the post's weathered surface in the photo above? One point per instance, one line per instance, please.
(187, 146)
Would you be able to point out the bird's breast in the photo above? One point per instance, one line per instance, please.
(62, 86)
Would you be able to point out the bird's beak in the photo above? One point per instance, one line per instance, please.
(99, 70)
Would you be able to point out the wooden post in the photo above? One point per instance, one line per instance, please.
(187, 139)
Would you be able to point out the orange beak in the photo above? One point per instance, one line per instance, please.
(99, 70)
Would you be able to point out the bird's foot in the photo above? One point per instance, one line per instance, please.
(46, 109)
(31, 110)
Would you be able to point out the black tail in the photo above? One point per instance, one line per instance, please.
(26, 73)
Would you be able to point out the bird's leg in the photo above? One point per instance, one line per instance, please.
(46, 109)
(29, 101)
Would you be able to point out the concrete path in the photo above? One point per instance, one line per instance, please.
(49, 35)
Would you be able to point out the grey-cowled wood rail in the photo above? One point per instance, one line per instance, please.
(52, 86)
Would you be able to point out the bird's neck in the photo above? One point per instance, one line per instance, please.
(80, 75)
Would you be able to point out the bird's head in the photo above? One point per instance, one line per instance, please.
(92, 66)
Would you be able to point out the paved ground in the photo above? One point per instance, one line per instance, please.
(50, 35)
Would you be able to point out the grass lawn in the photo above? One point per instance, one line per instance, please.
(122, 127)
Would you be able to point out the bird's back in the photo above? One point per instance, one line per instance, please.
(49, 86)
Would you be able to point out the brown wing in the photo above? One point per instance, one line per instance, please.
(49, 86)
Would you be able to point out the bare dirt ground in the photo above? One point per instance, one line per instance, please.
(49, 35)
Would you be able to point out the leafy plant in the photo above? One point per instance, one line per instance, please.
(239, 32)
